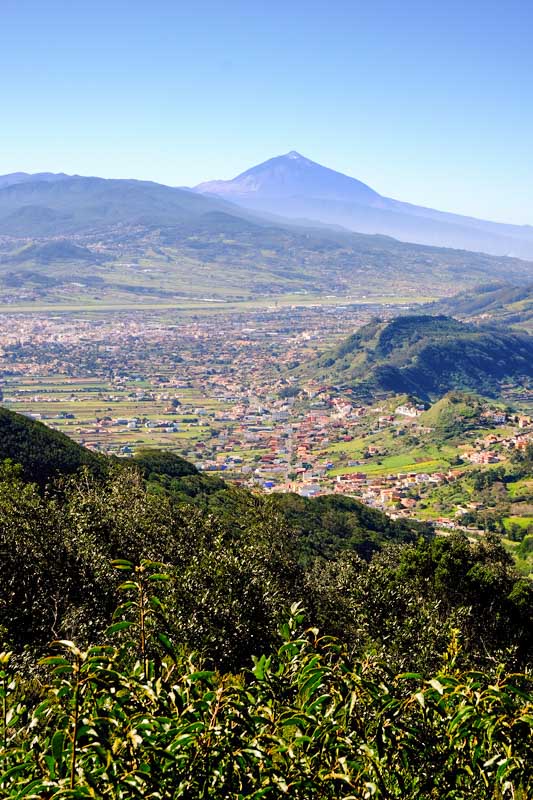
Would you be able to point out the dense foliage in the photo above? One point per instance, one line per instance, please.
(305, 722)
(417, 687)
(237, 560)
(153, 462)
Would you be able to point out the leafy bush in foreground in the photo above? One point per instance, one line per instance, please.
(303, 723)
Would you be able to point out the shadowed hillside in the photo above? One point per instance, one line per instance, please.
(42, 452)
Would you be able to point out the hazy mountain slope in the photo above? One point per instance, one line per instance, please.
(51, 252)
(82, 205)
(28, 177)
(427, 356)
(297, 187)
(293, 175)
(138, 239)
(502, 303)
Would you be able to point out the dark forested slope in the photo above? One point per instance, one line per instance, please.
(42, 452)
(156, 506)
(427, 356)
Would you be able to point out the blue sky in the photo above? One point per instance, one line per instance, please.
(429, 102)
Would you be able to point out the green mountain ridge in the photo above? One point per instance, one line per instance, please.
(426, 356)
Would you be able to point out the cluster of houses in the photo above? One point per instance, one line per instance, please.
(491, 448)
(216, 390)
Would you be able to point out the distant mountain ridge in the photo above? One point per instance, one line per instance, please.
(294, 186)
(74, 204)
(28, 177)
(143, 239)
(426, 356)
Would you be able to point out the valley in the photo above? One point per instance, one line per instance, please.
(224, 388)
(266, 413)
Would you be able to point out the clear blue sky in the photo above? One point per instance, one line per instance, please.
(429, 102)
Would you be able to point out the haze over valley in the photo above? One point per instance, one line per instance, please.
(294, 186)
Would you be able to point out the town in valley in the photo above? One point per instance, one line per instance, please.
(223, 389)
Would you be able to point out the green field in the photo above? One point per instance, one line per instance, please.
(393, 464)
(522, 522)
(216, 306)
(523, 564)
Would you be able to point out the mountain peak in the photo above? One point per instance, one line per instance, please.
(296, 187)
(290, 176)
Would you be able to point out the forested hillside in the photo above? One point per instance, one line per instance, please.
(426, 356)
(42, 452)
(163, 587)
(159, 507)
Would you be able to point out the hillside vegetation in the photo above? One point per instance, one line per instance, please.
(495, 302)
(143, 508)
(453, 415)
(182, 667)
(42, 452)
(427, 356)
